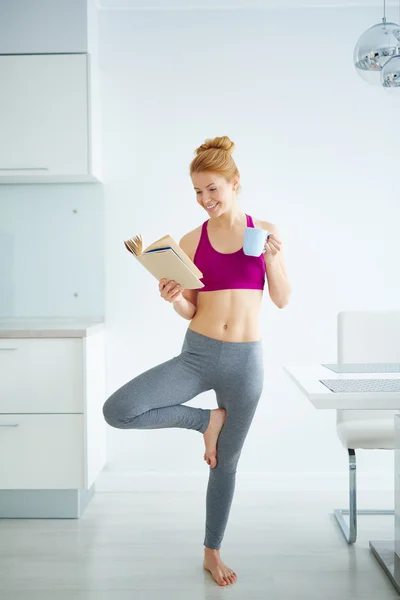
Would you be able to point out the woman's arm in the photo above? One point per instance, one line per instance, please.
(278, 282)
(186, 307)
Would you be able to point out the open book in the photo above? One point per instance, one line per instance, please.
(165, 258)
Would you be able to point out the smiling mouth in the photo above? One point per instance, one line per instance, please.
(212, 206)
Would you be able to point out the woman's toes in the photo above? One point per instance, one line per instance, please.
(210, 460)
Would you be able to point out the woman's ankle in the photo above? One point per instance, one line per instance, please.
(212, 550)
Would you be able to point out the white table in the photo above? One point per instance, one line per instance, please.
(307, 379)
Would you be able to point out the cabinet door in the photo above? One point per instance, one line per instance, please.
(397, 484)
(41, 375)
(43, 115)
(41, 452)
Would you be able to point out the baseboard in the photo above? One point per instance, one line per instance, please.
(111, 481)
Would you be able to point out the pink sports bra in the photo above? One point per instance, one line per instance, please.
(230, 271)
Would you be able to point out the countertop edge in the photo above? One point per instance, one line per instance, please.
(71, 332)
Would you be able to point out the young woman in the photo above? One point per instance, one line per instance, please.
(222, 348)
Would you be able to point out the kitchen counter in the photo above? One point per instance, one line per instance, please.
(54, 327)
(52, 430)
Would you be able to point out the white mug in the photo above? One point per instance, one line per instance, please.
(254, 241)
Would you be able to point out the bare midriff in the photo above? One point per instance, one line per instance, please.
(228, 315)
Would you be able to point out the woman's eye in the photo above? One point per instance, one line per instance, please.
(198, 193)
(213, 189)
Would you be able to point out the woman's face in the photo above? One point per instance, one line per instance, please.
(213, 192)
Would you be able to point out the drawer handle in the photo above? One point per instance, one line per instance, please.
(8, 349)
(9, 425)
(24, 169)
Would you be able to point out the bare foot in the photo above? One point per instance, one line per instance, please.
(217, 419)
(222, 574)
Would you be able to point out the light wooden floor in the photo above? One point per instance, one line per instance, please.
(283, 546)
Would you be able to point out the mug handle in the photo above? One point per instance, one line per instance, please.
(267, 234)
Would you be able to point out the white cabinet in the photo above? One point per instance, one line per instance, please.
(42, 451)
(43, 26)
(46, 127)
(397, 485)
(41, 376)
(52, 429)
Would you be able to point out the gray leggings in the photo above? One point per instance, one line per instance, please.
(155, 398)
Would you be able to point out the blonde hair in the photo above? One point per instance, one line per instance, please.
(215, 156)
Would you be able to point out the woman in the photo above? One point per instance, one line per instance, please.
(222, 349)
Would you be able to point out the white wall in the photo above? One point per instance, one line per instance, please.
(318, 155)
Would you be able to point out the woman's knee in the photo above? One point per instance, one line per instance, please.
(110, 413)
(115, 410)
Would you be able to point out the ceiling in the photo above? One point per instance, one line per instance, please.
(236, 4)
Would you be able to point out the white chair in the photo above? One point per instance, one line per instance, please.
(365, 337)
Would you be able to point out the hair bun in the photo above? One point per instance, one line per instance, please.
(217, 143)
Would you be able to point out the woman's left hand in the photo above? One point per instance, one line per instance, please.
(272, 248)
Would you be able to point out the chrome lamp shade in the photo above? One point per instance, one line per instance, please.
(378, 47)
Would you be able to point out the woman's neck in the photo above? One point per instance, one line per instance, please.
(230, 219)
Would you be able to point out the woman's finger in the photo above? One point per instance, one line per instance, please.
(173, 290)
(274, 244)
(272, 236)
(162, 283)
(173, 296)
(270, 248)
(168, 287)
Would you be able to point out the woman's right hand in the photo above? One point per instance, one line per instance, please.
(170, 290)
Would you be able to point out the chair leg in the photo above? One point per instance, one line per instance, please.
(350, 530)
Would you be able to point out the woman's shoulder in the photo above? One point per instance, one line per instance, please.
(190, 241)
(264, 225)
